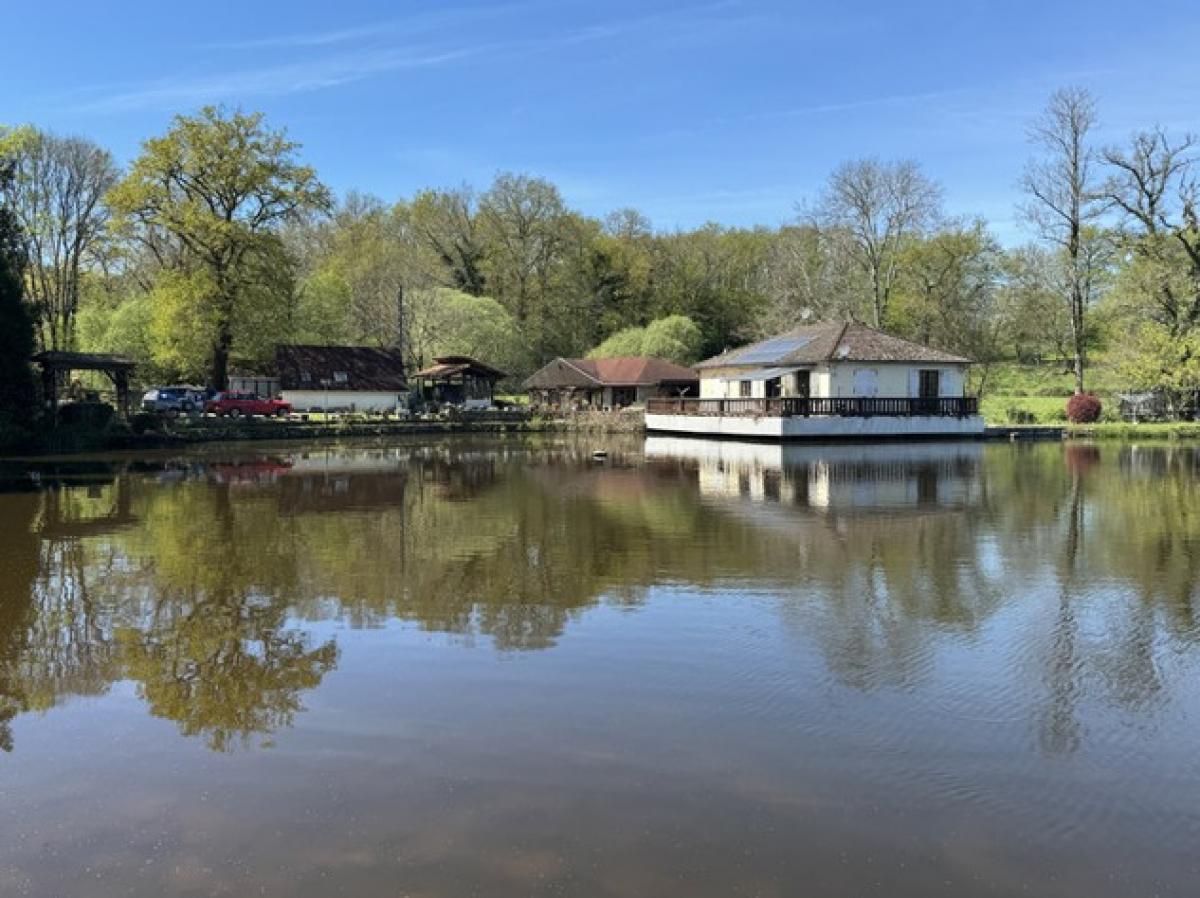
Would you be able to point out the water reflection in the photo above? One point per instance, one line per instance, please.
(200, 578)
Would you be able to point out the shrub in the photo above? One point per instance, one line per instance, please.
(94, 415)
(143, 422)
(1084, 408)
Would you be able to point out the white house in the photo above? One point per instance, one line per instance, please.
(341, 378)
(826, 380)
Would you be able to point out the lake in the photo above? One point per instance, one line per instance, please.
(507, 668)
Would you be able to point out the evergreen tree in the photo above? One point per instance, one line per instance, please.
(16, 329)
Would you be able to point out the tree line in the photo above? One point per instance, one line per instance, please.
(217, 242)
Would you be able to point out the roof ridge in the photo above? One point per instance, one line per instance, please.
(571, 364)
(829, 356)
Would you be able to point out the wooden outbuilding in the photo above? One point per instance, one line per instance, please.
(459, 380)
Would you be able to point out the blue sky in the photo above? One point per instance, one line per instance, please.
(691, 111)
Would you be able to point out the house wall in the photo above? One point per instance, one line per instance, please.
(841, 379)
(344, 400)
(261, 385)
(892, 378)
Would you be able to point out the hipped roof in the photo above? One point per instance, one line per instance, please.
(829, 341)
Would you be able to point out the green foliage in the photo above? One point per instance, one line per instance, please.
(211, 194)
(623, 343)
(449, 322)
(675, 338)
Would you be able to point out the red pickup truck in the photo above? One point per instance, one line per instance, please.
(237, 404)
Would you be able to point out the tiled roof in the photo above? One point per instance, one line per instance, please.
(356, 368)
(829, 341)
(622, 371)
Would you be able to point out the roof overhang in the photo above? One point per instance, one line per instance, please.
(767, 373)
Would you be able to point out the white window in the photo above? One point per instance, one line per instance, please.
(340, 377)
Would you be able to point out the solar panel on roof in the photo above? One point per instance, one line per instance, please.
(771, 350)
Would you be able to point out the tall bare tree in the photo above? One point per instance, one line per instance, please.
(57, 194)
(1064, 205)
(879, 205)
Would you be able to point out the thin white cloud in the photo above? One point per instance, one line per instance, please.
(391, 28)
(288, 78)
(854, 105)
(366, 57)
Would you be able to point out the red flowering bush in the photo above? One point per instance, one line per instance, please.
(1084, 408)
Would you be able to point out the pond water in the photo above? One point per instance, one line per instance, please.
(690, 668)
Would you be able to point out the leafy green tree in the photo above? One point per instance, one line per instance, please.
(1154, 187)
(449, 322)
(626, 342)
(218, 186)
(675, 338)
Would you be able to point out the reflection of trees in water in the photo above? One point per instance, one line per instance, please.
(194, 588)
(223, 667)
(19, 569)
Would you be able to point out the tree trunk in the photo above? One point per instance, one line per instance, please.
(220, 359)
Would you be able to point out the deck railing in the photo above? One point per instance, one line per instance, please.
(804, 407)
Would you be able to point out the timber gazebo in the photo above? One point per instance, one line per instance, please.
(57, 365)
(459, 380)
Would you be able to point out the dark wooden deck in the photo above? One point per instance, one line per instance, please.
(801, 407)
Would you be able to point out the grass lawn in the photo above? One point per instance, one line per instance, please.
(1038, 394)
(1009, 409)
(1121, 430)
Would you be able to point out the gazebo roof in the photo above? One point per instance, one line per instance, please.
(84, 361)
(447, 366)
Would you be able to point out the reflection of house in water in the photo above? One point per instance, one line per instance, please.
(833, 477)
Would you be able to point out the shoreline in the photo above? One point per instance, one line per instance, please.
(76, 442)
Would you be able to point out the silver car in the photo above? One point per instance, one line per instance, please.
(172, 401)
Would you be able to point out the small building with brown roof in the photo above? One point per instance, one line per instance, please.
(833, 359)
(459, 380)
(341, 378)
(608, 383)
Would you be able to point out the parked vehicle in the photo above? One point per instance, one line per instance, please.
(173, 400)
(235, 404)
